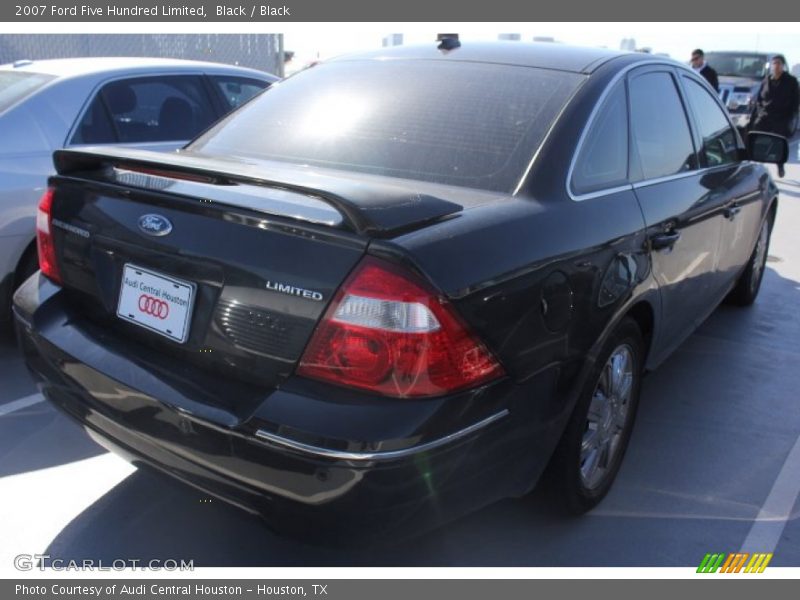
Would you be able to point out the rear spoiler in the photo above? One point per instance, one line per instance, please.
(368, 205)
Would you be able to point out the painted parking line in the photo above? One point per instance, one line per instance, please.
(768, 527)
(15, 405)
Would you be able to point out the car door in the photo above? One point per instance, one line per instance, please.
(682, 217)
(726, 177)
(158, 112)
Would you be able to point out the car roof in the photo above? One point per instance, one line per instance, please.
(75, 67)
(547, 55)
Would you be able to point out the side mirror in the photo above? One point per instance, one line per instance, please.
(767, 147)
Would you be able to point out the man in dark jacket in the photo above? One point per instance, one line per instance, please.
(700, 65)
(776, 102)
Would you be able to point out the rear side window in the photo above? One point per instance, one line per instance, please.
(237, 90)
(719, 138)
(660, 130)
(603, 159)
(146, 109)
(15, 86)
(457, 123)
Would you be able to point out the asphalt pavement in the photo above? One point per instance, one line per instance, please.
(713, 466)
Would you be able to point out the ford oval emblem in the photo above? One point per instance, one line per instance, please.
(155, 225)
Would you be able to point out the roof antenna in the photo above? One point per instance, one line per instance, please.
(448, 41)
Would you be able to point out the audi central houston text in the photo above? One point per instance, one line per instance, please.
(400, 285)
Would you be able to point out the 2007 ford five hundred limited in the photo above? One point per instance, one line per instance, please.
(397, 286)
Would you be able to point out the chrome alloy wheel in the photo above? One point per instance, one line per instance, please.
(607, 417)
(759, 257)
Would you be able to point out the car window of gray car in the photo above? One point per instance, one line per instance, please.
(458, 123)
(603, 159)
(146, 109)
(661, 135)
(719, 138)
(237, 90)
(15, 86)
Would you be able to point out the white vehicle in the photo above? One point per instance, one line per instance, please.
(155, 104)
(740, 75)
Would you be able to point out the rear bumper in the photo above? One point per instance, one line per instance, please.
(432, 460)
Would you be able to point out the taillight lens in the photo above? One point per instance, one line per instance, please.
(387, 332)
(44, 237)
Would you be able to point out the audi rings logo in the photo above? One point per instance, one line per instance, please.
(153, 307)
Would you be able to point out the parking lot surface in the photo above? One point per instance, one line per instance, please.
(713, 466)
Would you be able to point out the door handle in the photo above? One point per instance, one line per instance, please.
(664, 240)
(732, 211)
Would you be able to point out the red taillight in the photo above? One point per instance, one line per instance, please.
(387, 332)
(44, 237)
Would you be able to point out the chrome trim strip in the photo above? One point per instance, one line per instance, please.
(278, 440)
(590, 121)
(657, 180)
(647, 182)
(601, 193)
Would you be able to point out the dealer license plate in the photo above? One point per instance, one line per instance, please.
(156, 302)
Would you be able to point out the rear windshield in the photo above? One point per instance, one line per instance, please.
(468, 124)
(15, 86)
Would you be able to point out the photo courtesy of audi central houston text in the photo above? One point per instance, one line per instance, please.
(397, 286)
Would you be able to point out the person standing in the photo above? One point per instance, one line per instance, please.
(700, 65)
(776, 102)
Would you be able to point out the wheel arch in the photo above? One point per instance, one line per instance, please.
(643, 310)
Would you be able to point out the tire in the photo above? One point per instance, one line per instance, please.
(591, 450)
(747, 287)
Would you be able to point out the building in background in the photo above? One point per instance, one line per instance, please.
(393, 39)
(509, 37)
(257, 51)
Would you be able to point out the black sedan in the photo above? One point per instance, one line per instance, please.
(398, 286)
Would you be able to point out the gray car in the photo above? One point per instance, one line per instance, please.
(154, 104)
(740, 76)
